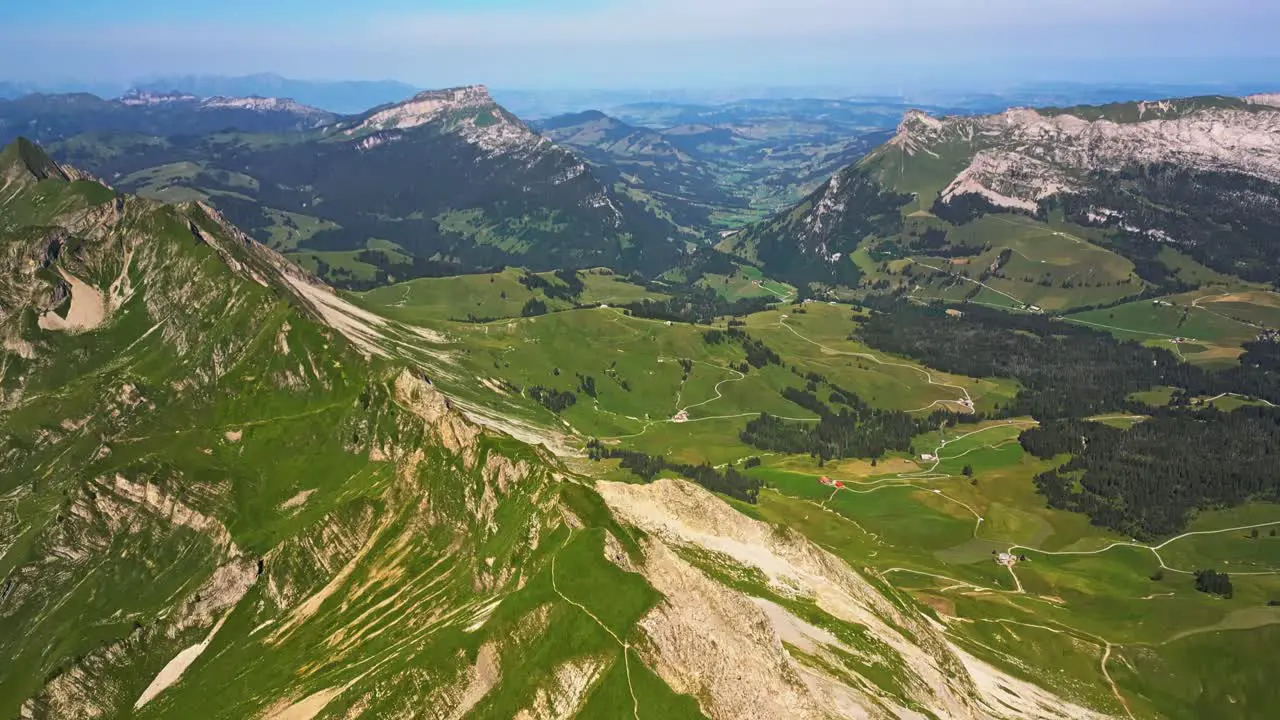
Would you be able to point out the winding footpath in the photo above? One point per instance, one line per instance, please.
(626, 647)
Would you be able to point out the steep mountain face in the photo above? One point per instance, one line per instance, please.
(262, 507)
(812, 241)
(1201, 175)
(446, 181)
(50, 118)
(1026, 155)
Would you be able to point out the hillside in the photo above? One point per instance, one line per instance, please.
(266, 500)
(446, 181)
(648, 166)
(1168, 186)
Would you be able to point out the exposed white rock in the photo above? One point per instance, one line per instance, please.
(426, 107)
(135, 98)
(468, 112)
(262, 104)
(937, 674)
(1024, 155)
(1269, 99)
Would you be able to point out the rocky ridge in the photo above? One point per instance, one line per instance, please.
(469, 112)
(142, 98)
(1023, 155)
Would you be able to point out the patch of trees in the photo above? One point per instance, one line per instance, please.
(856, 430)
(395, 267)
(1256, 375)
(696, 305)
(686, 365)
(533, 308)
(964, 208)
(1214, 583)
(569, 288)
(758, 354)
(557, 401)
(728, 482)
(1147, 481)
(1066, 370)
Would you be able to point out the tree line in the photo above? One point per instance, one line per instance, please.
(1066, 370)
(729, 481)
(855, 430)
(1149, 480)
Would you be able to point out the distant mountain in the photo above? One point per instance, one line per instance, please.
(338, 96)
(50, 118)
(647, 165)
(1067, 94)
(775, 116)
(720, 165)
(1199, 176)
(444, 182)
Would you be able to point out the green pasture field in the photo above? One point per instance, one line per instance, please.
(1081, 587)
(427, 301)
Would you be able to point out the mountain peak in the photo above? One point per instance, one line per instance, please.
(426, 107)
(463, 94)
(915, 130)
(23, 158)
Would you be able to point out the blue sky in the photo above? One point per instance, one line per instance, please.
(563, 44)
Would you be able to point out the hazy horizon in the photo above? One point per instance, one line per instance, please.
(870, 46)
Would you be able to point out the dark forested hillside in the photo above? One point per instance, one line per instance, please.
(467, 188)
(1227, 221)
(1147, 480)
(1066, 370)
(808, 243)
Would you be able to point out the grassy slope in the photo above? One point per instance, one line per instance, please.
(489, 295)
(1211, 325)
(231, 411)
(914, 525)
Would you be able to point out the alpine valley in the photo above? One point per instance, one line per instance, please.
(757, 410)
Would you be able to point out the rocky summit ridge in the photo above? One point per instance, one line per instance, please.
(1025, 155)
(469, 112)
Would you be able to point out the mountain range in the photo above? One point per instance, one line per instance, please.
(446, 180)
(224, 480)
(337, 96)
(770, 408)
(1195, 176)
(718, 168)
